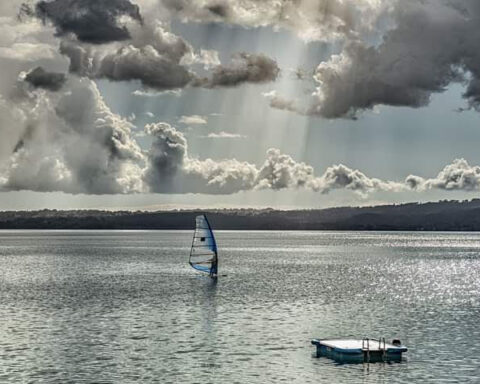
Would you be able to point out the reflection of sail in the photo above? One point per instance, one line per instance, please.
(202, 340)
(209, 324)
(203, 255)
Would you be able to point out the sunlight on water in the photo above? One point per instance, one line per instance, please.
(125, 306)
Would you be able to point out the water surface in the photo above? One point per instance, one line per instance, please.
(124, 306)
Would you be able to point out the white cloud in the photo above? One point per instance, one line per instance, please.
(281, 171)
(205, 57)
(224, 135)
(152, 93)
(459, 175)
(279, 102)
(172, 170)
(68, 141)
(28, 52)
(193, 120)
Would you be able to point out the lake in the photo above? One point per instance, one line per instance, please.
(125, 306)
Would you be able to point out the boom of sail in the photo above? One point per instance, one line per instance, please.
(203, 255)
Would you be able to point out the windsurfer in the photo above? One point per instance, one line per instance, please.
(213, 270)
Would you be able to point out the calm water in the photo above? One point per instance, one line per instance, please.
(124, 306)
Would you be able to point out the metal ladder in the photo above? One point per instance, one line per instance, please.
(384, 349)
(366, 348)
(382, 346)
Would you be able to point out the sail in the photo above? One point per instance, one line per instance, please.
(203, 255)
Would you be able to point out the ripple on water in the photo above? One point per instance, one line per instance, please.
(119, 307)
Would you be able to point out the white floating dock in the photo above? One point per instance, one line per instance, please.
(359, 350)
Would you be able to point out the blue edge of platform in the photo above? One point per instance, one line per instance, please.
(318, 343)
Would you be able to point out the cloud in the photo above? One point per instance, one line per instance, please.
(208, 58)
(27, 52)
(389, 52)
(244, 68)
(67, 141)
(279, 102)
(13, 123)
(342, 177)
(161, 60)
(459, 175)
(193, 120)
(165, 157)
(432, 44)
(152, 93)
(310, 19)
(171, 170)
(224, 135)
(91, 21)
(111, 40)
(39, 78)
(219, 177)
(281, 171)
(70, 141)
(154, 56)
(145, 64)
(57, 133)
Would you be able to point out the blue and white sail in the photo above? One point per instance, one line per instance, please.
(204, 255)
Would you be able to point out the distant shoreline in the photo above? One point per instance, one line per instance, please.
(436, 216)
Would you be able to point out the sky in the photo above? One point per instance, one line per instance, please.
(166, 104)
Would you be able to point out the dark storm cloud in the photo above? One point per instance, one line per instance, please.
(391, 52)
(432, 44)
(161, 64)
(79, 56)
(244, 68)
(91, 21)
(220, 10)
(40, 78)
(147, 65)
(154, 57)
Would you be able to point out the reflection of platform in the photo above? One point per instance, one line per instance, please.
(357, 351)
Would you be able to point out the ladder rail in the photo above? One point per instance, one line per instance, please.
(384, 353)
(382, 348)
(366, 351)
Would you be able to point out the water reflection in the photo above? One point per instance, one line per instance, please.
(124, 307)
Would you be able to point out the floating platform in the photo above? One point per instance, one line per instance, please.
(359, 350)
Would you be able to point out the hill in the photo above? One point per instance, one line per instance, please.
(435, 216)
